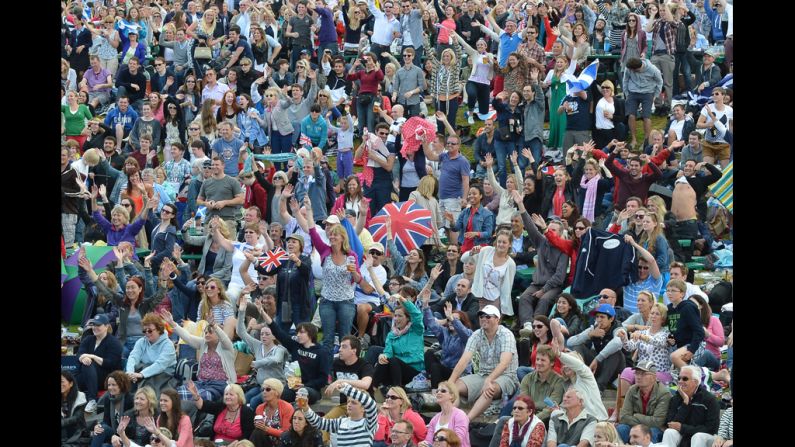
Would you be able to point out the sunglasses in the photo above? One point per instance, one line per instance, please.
(165, 211)
(440, 439)
(684, 379)
(520, 408)
(538, 326)
(639, 216)
(267, 389)
(442, 390)
(375, 253)
(211, 287)
(579, 228)
(408, 55)
(199, 283)
(607, 297)
(486, 316)
(643, 267)
(148, 331)
(392, 397)
(126, 205)
(193, 128)
(158, 65)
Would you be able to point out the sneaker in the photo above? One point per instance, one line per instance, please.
(418, 384)
(91, 406)
(470, 119)
(527, 330)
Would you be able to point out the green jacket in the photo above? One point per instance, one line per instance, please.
(538, 390)
(656, 410)
(410, 346)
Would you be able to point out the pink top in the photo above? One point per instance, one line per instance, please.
(185, 431)
(444, 32)
(228, 431)
(459, 423)
(385, 427)
(714, 336)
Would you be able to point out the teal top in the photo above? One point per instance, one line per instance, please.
(408, 347)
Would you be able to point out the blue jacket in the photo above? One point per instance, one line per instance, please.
(162, 244)
(127, 119)
(160, 356)
(453, 343)
(250, 129)
(316, 130)
(316, 191)
(483, 222)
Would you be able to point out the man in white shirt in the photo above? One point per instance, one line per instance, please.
(365, 295)
(385, 30)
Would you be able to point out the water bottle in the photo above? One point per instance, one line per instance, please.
(607, 46)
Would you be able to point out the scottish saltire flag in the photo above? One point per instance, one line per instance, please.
(201, 212)
(272, 259)
(723, 189)
(411, 225)
(582, 82)
(699, 99)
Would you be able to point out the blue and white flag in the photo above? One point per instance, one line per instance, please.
(201, 212)
(582, 82)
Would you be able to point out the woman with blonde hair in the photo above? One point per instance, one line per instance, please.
(340, 275)
(397, 407)
(653, 239)
(424, 197)
(444, 437)
(557, 121)
(133, 425)
(277, 415)
(656, 205)
(444, 84)
(605, 435)
(251, 237)
(454, 420)
(216, 307)
(233, 419)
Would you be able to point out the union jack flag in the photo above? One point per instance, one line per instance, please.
(304, 140)
(272, 259)
(411, 225)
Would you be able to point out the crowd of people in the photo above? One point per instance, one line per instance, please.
(233, 154)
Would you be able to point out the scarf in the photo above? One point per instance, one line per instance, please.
(589, 205)
(399, 332)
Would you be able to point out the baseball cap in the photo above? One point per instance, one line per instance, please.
(489, 310)
(606, 309)
(377, 246)
(333, 219)
(207, 163)
(710, 52)
(297, 237)
(99, 319)
(646, 365)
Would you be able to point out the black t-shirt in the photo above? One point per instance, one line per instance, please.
(357, 371)
(301, 26)
(580, 117)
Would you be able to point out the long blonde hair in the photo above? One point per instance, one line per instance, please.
(340, 231)
(205, 307)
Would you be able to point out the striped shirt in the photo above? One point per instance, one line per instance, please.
(350, 433)
(726, 428)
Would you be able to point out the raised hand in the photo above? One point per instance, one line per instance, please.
(125, 420)
(83, 262)
(102, 191)
(528, 154)
(534, 72)
(514, 157)
(448, 309)
(518, 196)
(177, 252)
(119, 253)
(629, 240)
(538, 220)
(288, 190)
(148, 259)
(489, 160)
(425, 296)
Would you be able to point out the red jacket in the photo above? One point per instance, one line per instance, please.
(567, 247)
(256, 195)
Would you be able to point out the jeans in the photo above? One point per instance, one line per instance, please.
(379, 193)
(523, 371)
(281, 144)
(193, 193)
(99, 440)
(708, 359)
(89, 379)
(254, 397)
(623, 432)
(450, 109)
(535, 145)
(68, 224)
(330, 313)
(296, 54)
(377, 49)
(129, 344)
(682, 63)
(366, 115)
(665, 63)
(331, 46)
(503, 150)
(480, 93)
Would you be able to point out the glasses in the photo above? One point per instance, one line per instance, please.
(486, 316)
(452, 251)
(199, 283)
(172, 107)
(603, 296)
(158, 65)
(442, 390)
(322, 96)
(579, 228)
(190, 81)
(148, 331)
(538, 326)
(606, 88)
(211, 287)
(245, 64)
(639, 216)
(383, 134)
(672, 290)
(408, 55)
(375, 252)
(165, 211)
(393, 397)
(631, 21)
(643, 267)
(684, 379)
(519, 408)
(440, 439)
(126, 205)
(267, 389)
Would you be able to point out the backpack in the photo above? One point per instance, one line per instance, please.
(720, 294)
(481, 433)
(186, 369)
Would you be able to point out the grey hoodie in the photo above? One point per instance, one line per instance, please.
(647, 80)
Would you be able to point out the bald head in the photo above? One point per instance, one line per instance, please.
(607, 296)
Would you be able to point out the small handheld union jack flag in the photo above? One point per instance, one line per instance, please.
(272, 259)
